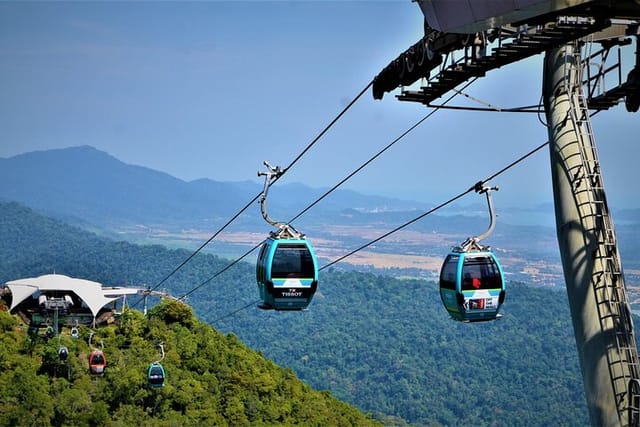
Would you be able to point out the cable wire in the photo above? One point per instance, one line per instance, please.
(221, 271)
(378, 154)
(233, 218)
(326, 129)
(405, 133)
(244, 307)
(295, 160)
(419, 217)
(440, 206)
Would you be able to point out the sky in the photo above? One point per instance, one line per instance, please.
(213, 89)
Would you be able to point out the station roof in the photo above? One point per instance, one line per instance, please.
(91, 293)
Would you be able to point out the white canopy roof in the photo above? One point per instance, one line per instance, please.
(91, 293)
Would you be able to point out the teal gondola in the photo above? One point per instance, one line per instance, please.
(156, 375)
(472, 285)
(286, 268)
(287, 273)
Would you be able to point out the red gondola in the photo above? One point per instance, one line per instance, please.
(97, 362)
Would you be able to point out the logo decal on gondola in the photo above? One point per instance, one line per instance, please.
(490, 303)
(292, 293)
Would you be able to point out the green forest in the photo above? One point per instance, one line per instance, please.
(212, 379)
(383, 344)
(389, 347)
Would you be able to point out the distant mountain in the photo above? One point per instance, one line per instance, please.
(93, 186)
(89, 184)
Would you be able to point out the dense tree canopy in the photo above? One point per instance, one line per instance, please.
(212, 379)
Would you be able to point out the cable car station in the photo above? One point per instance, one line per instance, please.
(57, 300)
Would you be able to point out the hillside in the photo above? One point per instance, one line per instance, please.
(90, 185)
(87, 185)
(387, 346)
(212, 379)
(383, 344)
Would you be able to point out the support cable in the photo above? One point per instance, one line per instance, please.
(378, 154)
(325, 130)
(332, 189)
(251, 304)
(479, 101)
(182, 298)
(535, 109)
(241, 211)
(233, 218)
(440, 206)
(419, 217)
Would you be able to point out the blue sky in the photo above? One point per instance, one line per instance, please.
(211, 89)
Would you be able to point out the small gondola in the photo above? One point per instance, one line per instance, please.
(286, 269)
(472, 285)
(156, 375)
(63, 354)
(287, 273)
(97, 362)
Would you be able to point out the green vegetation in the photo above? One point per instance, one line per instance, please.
(212, 379)
(388, 346)
(382, 344)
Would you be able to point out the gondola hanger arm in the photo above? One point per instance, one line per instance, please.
(271, 175)
(161, 345)
(474, 242)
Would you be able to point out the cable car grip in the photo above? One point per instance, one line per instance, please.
(285, 230)
(473, 242)
(161, 345)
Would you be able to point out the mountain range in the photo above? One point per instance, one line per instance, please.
(94, 190)
(93, 186)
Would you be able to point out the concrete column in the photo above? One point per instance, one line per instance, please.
(577, 235)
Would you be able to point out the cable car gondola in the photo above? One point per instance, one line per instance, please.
(97, 362)
(97, 359)
(63, 353)
(472, 286)
(287, 268)
(156, 374)
(287, 273)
